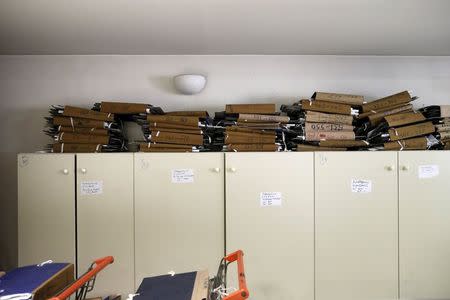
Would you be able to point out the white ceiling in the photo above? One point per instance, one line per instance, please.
(353, 27)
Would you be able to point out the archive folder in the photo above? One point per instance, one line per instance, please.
(329, 135)
(326, 107)
(253, 147)
(418, 143)
(78, 138)
(250, 108)
(233, 137)
(176, 138)
(339, 98)
(404, 119)
(127, 108)
(78, 122)
(84, 130)
(71, 111)
(175, 120)
(405, 132)
(327, 127)
(262, 118)
(343, 143)
(376, 118)
(76, 148)
(389, 101)
(318, 117)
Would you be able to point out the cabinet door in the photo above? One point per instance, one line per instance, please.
(356, 225)
(424, 211)
(270, 216)
(105, 219)
(46, 208)
(179, 212)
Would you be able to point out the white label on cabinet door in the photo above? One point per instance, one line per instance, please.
(428, 171)
(91, 187)
(182, 176)
(361, 186)
(270, 199)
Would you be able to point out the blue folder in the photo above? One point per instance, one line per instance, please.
(26, 280)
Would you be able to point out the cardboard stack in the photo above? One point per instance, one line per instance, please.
(251, 127)
(373, 113)
(325, 122)
(178, 131)
(77, 129)
(128, 113)
(404, 131)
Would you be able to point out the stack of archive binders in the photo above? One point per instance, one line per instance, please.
(324, 122)
(127, 112)
(251, 127)
(77, 129)
(178, 131)
(400, 127)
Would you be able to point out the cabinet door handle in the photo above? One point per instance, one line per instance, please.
(216, 170)
(65, 171)
(405, 168)
(232, 170)
(83, 170)
(390, 168)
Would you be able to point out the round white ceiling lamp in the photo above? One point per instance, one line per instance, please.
(189, 84)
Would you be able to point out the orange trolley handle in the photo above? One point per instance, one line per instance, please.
(100, 264)
(242, 292)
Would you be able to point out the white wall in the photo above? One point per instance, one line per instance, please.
(29, 84)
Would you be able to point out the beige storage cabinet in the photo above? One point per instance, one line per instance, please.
(424, 224)
(46, 208)
(179, 212)
(105, 219)
(356, 225)
(270, 216)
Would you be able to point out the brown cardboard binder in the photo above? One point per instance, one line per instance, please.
(405, 132)
(262, 118)
(327, 127)
(404, 119)
(71, 111)
(376, 118)
(164, 145)
(176, 120)
(305, 147)
(151, 149)
(389, 101)
(419, 143)
(232, 137)
(78, 138)
(176, 138)
(250, 108)
(189, 113)
(155, 125)
(317, 117)
(84, 130)
(249, 130)
(329, 135)
(175, 130)
(78, 122)
(123, 108)
(343, 143)
(253, 147)
(326, 107)
(339, 98)
(76, 148)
